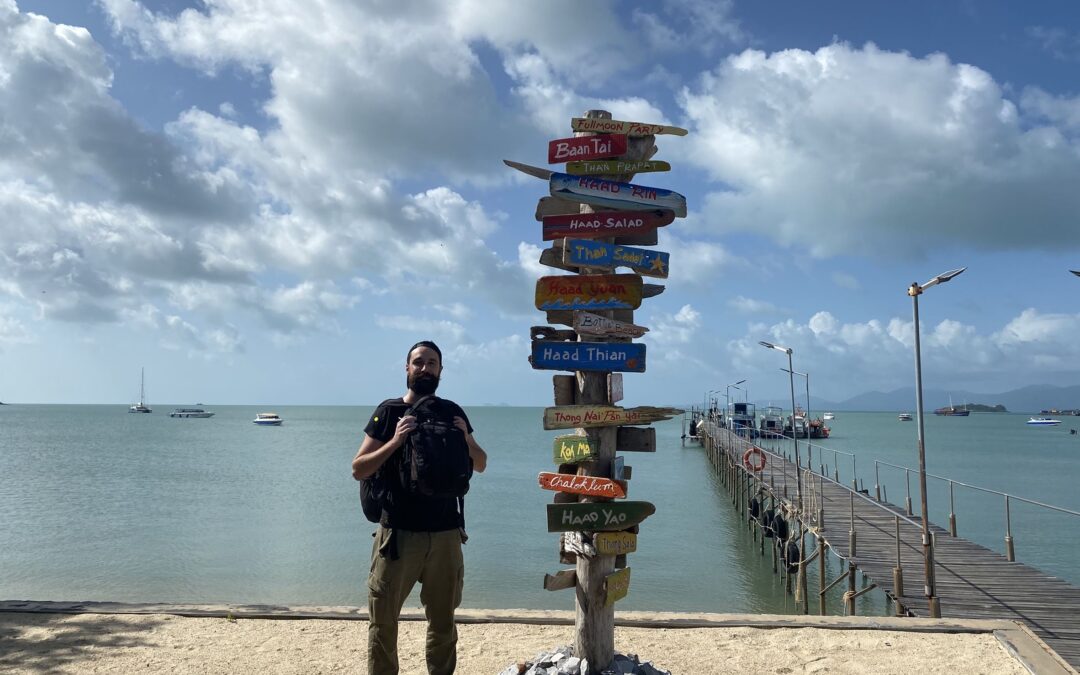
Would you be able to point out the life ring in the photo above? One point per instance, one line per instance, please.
(754, 466)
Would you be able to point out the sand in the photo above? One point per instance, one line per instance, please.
(163, 643)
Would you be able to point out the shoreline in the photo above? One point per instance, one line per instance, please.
(115, 637)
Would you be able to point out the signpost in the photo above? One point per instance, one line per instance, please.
(610, 126)
(598, 254)
(602, 356)
(598, 532)
(589, 291)
(593, 486)
(613, 194)
(604, 224)
(586, 147)
(597, 516)
(589, 416)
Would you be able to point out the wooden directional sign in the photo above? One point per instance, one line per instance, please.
(593, 486)
(586, 147)
(612, 167)
(613, 194)
(600, 356)
(597, 516)
(572, 449)
(552, 206)
(604, 224)
(591, 544)
(619, 127)
(586, 253)
(616, 586)
(586, 323)
(614, 543)
(560, 580)
(614, 388)
(589, 291)
(588, 416)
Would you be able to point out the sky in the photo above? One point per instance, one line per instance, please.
(268, 201)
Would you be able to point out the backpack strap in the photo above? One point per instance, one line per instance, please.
(411, 409)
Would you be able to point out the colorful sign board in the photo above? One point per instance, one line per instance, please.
(614, 167)
(597, 516)
(593, 486)
(613, 194)
(616, 586)
(586, 323)
(589, 291)
(587, 253)
(572, 449)
(586, 147)
(604, 126)
(614, 543)
(588, 416)
(601, 356)
(604, 223)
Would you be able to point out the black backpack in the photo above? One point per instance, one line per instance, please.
(373, 495)
(435, 459)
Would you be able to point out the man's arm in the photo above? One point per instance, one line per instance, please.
(373, 453)
(479, 457)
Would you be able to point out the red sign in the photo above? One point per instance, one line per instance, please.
(586, 147)
(604, 224)
(594, 486)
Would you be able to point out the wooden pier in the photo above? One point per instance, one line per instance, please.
(971, 580)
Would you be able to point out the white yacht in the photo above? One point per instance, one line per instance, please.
(191, 412)
(904, 417)
(268, 419)
(141, 406)
(829, 416)
(1042, 421)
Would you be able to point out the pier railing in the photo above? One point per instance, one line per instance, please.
(1010, 552)
(823, 453)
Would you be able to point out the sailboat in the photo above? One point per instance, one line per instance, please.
(953, 411)
(141, 406)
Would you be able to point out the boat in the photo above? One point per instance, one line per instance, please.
(141, 406)
(828, 416)
(1042, 421)
(740, 419)
(952, 411)
(268, 419)
(771, 424)
(191, 412)
(818, 429)
(904, 417)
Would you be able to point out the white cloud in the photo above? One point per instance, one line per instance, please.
(845, 281)
(679, 328)
(13, 331)
(864, 151)
(746, 305)
(421, 326)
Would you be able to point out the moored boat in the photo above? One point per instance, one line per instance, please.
(268, 419)
(1043, 422)
(904, 417)
(191, 412)
(828, 416)
(952, 411)
(141, 406)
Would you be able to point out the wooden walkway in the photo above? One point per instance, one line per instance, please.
(971, 580)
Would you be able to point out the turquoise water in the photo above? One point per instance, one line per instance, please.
(99, 504)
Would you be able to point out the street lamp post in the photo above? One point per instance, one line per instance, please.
(727, 398)
(809, 445)
(794, 436)
(915, 290)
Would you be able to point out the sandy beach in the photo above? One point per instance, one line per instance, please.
(39, 642)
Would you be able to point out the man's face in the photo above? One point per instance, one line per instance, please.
(423, 370)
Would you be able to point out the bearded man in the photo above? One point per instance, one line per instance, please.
(419, 538)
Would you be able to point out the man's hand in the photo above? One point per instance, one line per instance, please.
(405, 426)
(460, 424)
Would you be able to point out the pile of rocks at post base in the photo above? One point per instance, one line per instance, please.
(562, 661)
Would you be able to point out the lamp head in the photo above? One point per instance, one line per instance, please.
(786, 350)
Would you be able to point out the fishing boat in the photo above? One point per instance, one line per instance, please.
(741, 417)
(828, 416)
(190, 412)
(141, 406)
(904, 417)
(771, 424)
(1042, 421)
(268, 419)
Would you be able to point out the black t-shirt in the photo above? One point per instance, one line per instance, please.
(406, 511)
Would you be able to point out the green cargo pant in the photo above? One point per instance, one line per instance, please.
(434, 559)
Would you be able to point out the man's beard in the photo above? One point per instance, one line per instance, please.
(423, 384)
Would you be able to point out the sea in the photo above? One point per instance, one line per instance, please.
(99, 504)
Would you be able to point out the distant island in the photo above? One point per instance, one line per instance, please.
(978, 407)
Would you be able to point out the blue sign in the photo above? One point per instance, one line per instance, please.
(604, 356)
(589, 253)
